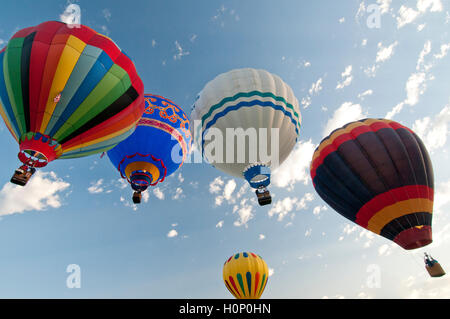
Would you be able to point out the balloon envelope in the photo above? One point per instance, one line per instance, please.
(254, 102)
(67, 91)
(157, 148)
(378, 174)
(245, 275)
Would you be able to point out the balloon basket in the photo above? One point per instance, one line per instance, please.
(21, 176)
(435, 270)
(137, 196)
(263, 196)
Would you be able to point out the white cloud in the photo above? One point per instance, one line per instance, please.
(348, 229)
(385, 53)
(261, 236)
(427, 289)
(425, 51)
(245, 212)
(220, 224)
(229, 189)
(106, 14)
(145, 196)
(415, 86)
(384, 5)
(434, 132)
(420, 27)
(126, 203)
(432, 5)
(308, 232)
(72, 14)
(444, 50)
(296, 167)
(306, 101)
(158, 193)
(271, 272)
(172, 233)
(365, 93)
(318, 209)
(316, 87)
(96, 187)
(407, 15)
(42, 191)
(441, 197)
(216, 185)
(347, 78)
(283, 207)
(180, 51)
(178, 193)
(346, 113)
(342, 20)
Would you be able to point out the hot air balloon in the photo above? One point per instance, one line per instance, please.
(245, 275)
(378, 174)
(247, 104)
(66, 91)
(157, 148)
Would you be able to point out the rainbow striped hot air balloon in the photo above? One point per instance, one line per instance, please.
(378, 174)
(157, 148)
(66, 91)
(245, 275)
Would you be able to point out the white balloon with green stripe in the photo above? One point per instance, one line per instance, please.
(247, 102)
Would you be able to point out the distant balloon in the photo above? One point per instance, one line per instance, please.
(378, 174)
(256, 105)
(245, 275)
(66, 92)
(157, 148)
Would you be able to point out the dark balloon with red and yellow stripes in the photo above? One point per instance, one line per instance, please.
(378, 174)
(245, 275)
(66, 91)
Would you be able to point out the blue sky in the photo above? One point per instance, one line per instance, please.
(173, 245)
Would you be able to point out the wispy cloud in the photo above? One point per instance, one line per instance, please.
(384, 53)
(407, 15)
(180, 51)
(295, 168)
(434, 131)
(417, 82)
(96, 187)
(346, 113)
(347, 78)
(106, 14)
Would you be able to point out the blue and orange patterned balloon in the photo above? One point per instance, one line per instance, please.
(157, 148)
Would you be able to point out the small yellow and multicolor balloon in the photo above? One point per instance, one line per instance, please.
(245, 275)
